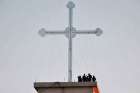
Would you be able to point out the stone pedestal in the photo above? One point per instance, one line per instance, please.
(65, 87)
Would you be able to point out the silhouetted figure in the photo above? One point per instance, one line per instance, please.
(89, 77)
(79, 79)
(93, 78)
(84, 78)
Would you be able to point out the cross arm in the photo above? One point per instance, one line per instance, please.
(43, 32)
(97, 31)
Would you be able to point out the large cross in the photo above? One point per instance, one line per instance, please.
(70, 32)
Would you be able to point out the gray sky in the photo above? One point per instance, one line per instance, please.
(26, 57)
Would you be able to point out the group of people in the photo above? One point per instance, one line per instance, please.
(86, 78)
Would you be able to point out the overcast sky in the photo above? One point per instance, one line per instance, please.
(25, 57)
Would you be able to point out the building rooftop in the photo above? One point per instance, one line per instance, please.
(38, 85)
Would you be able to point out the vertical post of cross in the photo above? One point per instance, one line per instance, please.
(70, 6)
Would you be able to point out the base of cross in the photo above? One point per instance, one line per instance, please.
(66, 87)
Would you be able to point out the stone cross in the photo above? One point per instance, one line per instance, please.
(70, 32)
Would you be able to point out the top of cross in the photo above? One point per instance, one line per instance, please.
(70, 4)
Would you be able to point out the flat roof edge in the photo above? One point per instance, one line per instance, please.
(38, 85)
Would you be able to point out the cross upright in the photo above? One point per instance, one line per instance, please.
(70, 32)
